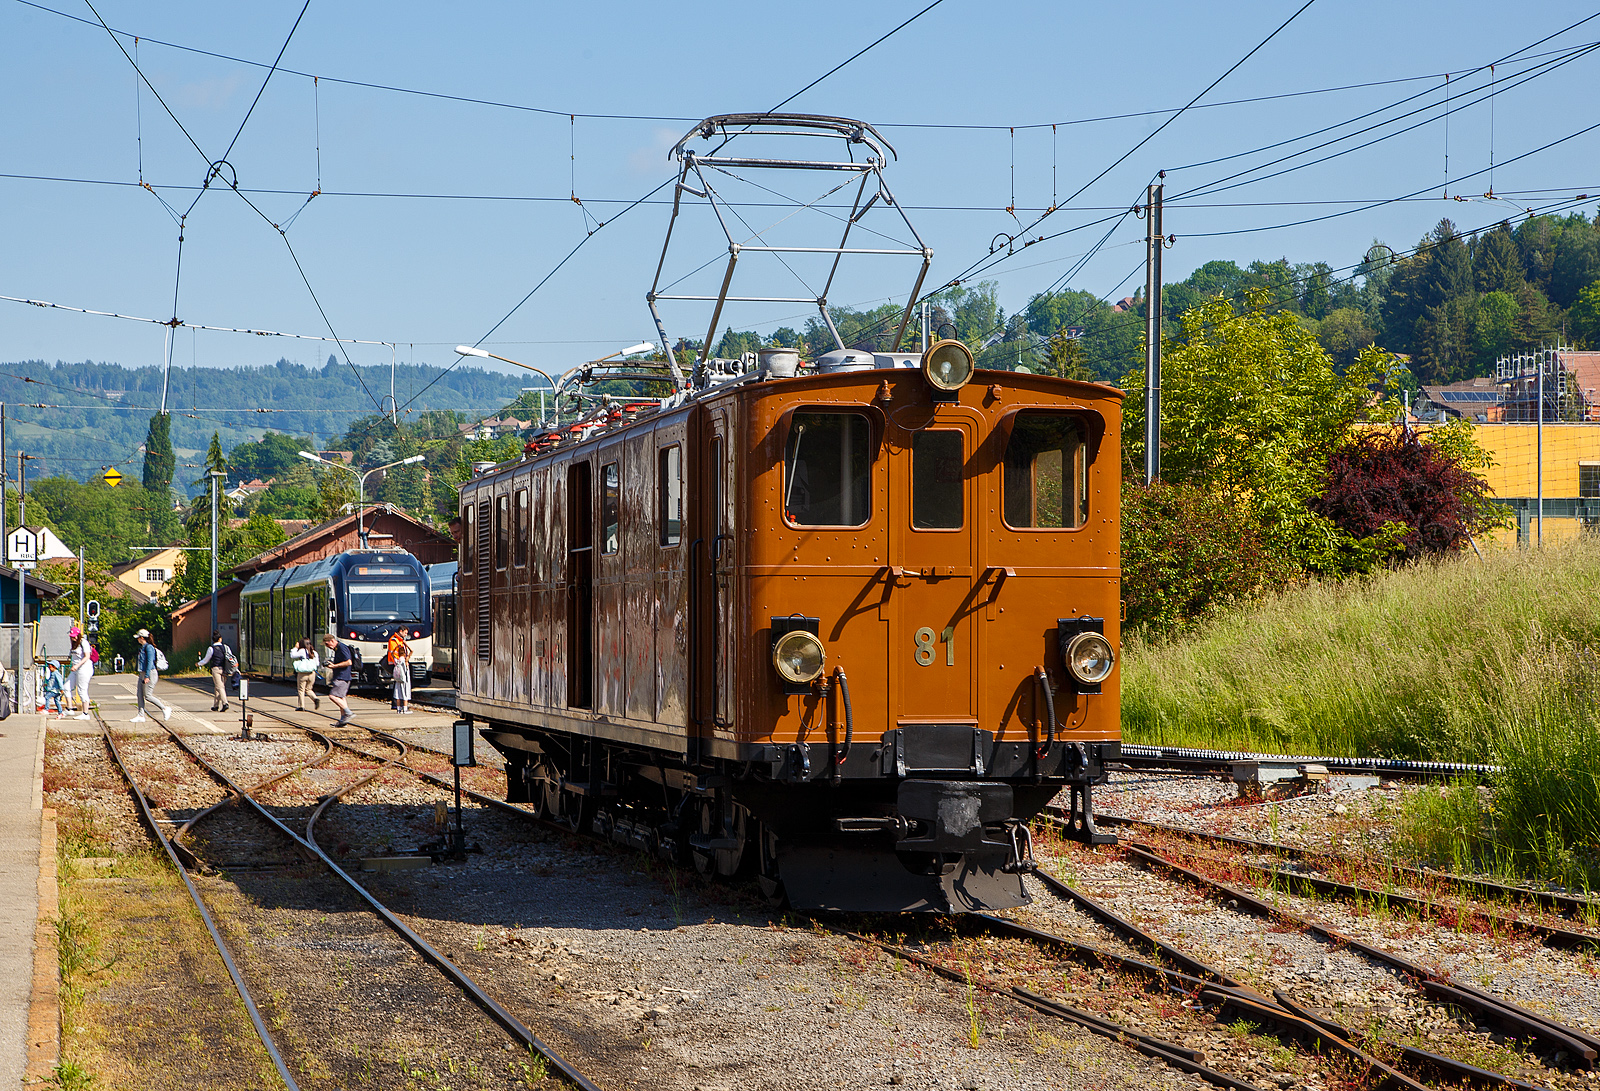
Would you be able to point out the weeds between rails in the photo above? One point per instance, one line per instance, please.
(548, 1057)
(1552, 1036)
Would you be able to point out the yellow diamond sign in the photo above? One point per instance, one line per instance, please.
(111, 477)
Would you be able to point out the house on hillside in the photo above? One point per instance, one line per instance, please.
(386, 527)
(245, 490)
(495, 428)
(148, 577)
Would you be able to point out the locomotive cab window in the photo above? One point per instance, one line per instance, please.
(1047, 472)
(827, 470)
(669, 494)
(936, 480)
(610, 497)
(469, 535)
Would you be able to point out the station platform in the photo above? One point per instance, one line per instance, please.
(29, 1012)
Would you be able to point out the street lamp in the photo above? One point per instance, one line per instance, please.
(361, 484)
(468, 350)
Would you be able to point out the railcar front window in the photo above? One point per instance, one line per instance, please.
(1047, 472)
(385, 602)
(610, 495)
(936, 481)
(828, 470)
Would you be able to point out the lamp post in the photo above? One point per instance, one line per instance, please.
(468, 350)
(361, 484)
(214, 474)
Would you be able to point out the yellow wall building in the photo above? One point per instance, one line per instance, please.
(1571, 473)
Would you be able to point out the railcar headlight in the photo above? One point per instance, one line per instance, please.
(798, 657)
(1090, 658)
(947, 365)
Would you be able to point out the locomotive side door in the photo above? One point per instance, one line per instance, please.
(718, 561)
(934, 515)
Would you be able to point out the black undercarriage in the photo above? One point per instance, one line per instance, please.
(927, 821)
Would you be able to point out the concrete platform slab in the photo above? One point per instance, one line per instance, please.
(21, 811)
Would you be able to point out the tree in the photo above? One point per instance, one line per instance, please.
(1252, 408)
(1423, 493)
(1066, 358)
(1576, 263)
(1343, 334)
(336, 491)
(159, 460)
(1585, 316)
(1496, 265)
(1494, 329)
(273, 454)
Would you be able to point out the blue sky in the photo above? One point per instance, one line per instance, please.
(435, 265)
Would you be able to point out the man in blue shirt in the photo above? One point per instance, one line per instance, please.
(340, 661)
(149, 674)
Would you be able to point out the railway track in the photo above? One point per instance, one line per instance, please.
(1560, 1044)
(461, 984)
(1492, 916)
(1203, 988)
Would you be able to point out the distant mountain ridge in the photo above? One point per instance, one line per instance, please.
(81, 417)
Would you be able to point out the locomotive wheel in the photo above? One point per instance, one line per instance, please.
(724, 863)
(545, 792)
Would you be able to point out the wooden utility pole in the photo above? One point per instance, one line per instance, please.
(1153, 245)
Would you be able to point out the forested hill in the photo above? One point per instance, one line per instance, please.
(82, 417)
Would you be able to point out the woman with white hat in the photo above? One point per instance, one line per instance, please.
(149, 666)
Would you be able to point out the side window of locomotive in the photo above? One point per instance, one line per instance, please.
(519, 555)
(502, 531)
(469, 535)
(610, 496)
(827, 470)
(937, 501)
(669, 495)
(1046, 472)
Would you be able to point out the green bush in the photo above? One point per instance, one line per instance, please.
(1186, 551)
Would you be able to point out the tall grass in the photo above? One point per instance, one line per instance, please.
(1494, 660)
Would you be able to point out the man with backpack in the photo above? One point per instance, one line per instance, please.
(151, 662)
(342, 657)
(224, 665)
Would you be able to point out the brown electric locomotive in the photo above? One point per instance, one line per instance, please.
(846, 624)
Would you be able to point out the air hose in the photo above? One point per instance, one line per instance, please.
(849, 722)
(1043, 679)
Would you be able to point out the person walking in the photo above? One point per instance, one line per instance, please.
(303, 657)
(149, 665)
(52, 689)
(80, 664)
(341, 660)
(220, 658)
(401, 673)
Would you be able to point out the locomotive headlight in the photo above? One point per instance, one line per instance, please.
(947, 365)
(1090, 658)
(798, 656)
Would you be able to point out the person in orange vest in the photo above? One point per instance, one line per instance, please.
(397, 642)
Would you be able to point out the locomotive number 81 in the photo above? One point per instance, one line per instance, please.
(849, 630)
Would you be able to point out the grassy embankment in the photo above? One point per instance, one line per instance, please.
(1494, 660)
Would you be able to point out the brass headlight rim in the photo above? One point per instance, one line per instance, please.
(788, 639)
(927, 360)
(1075, 643)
